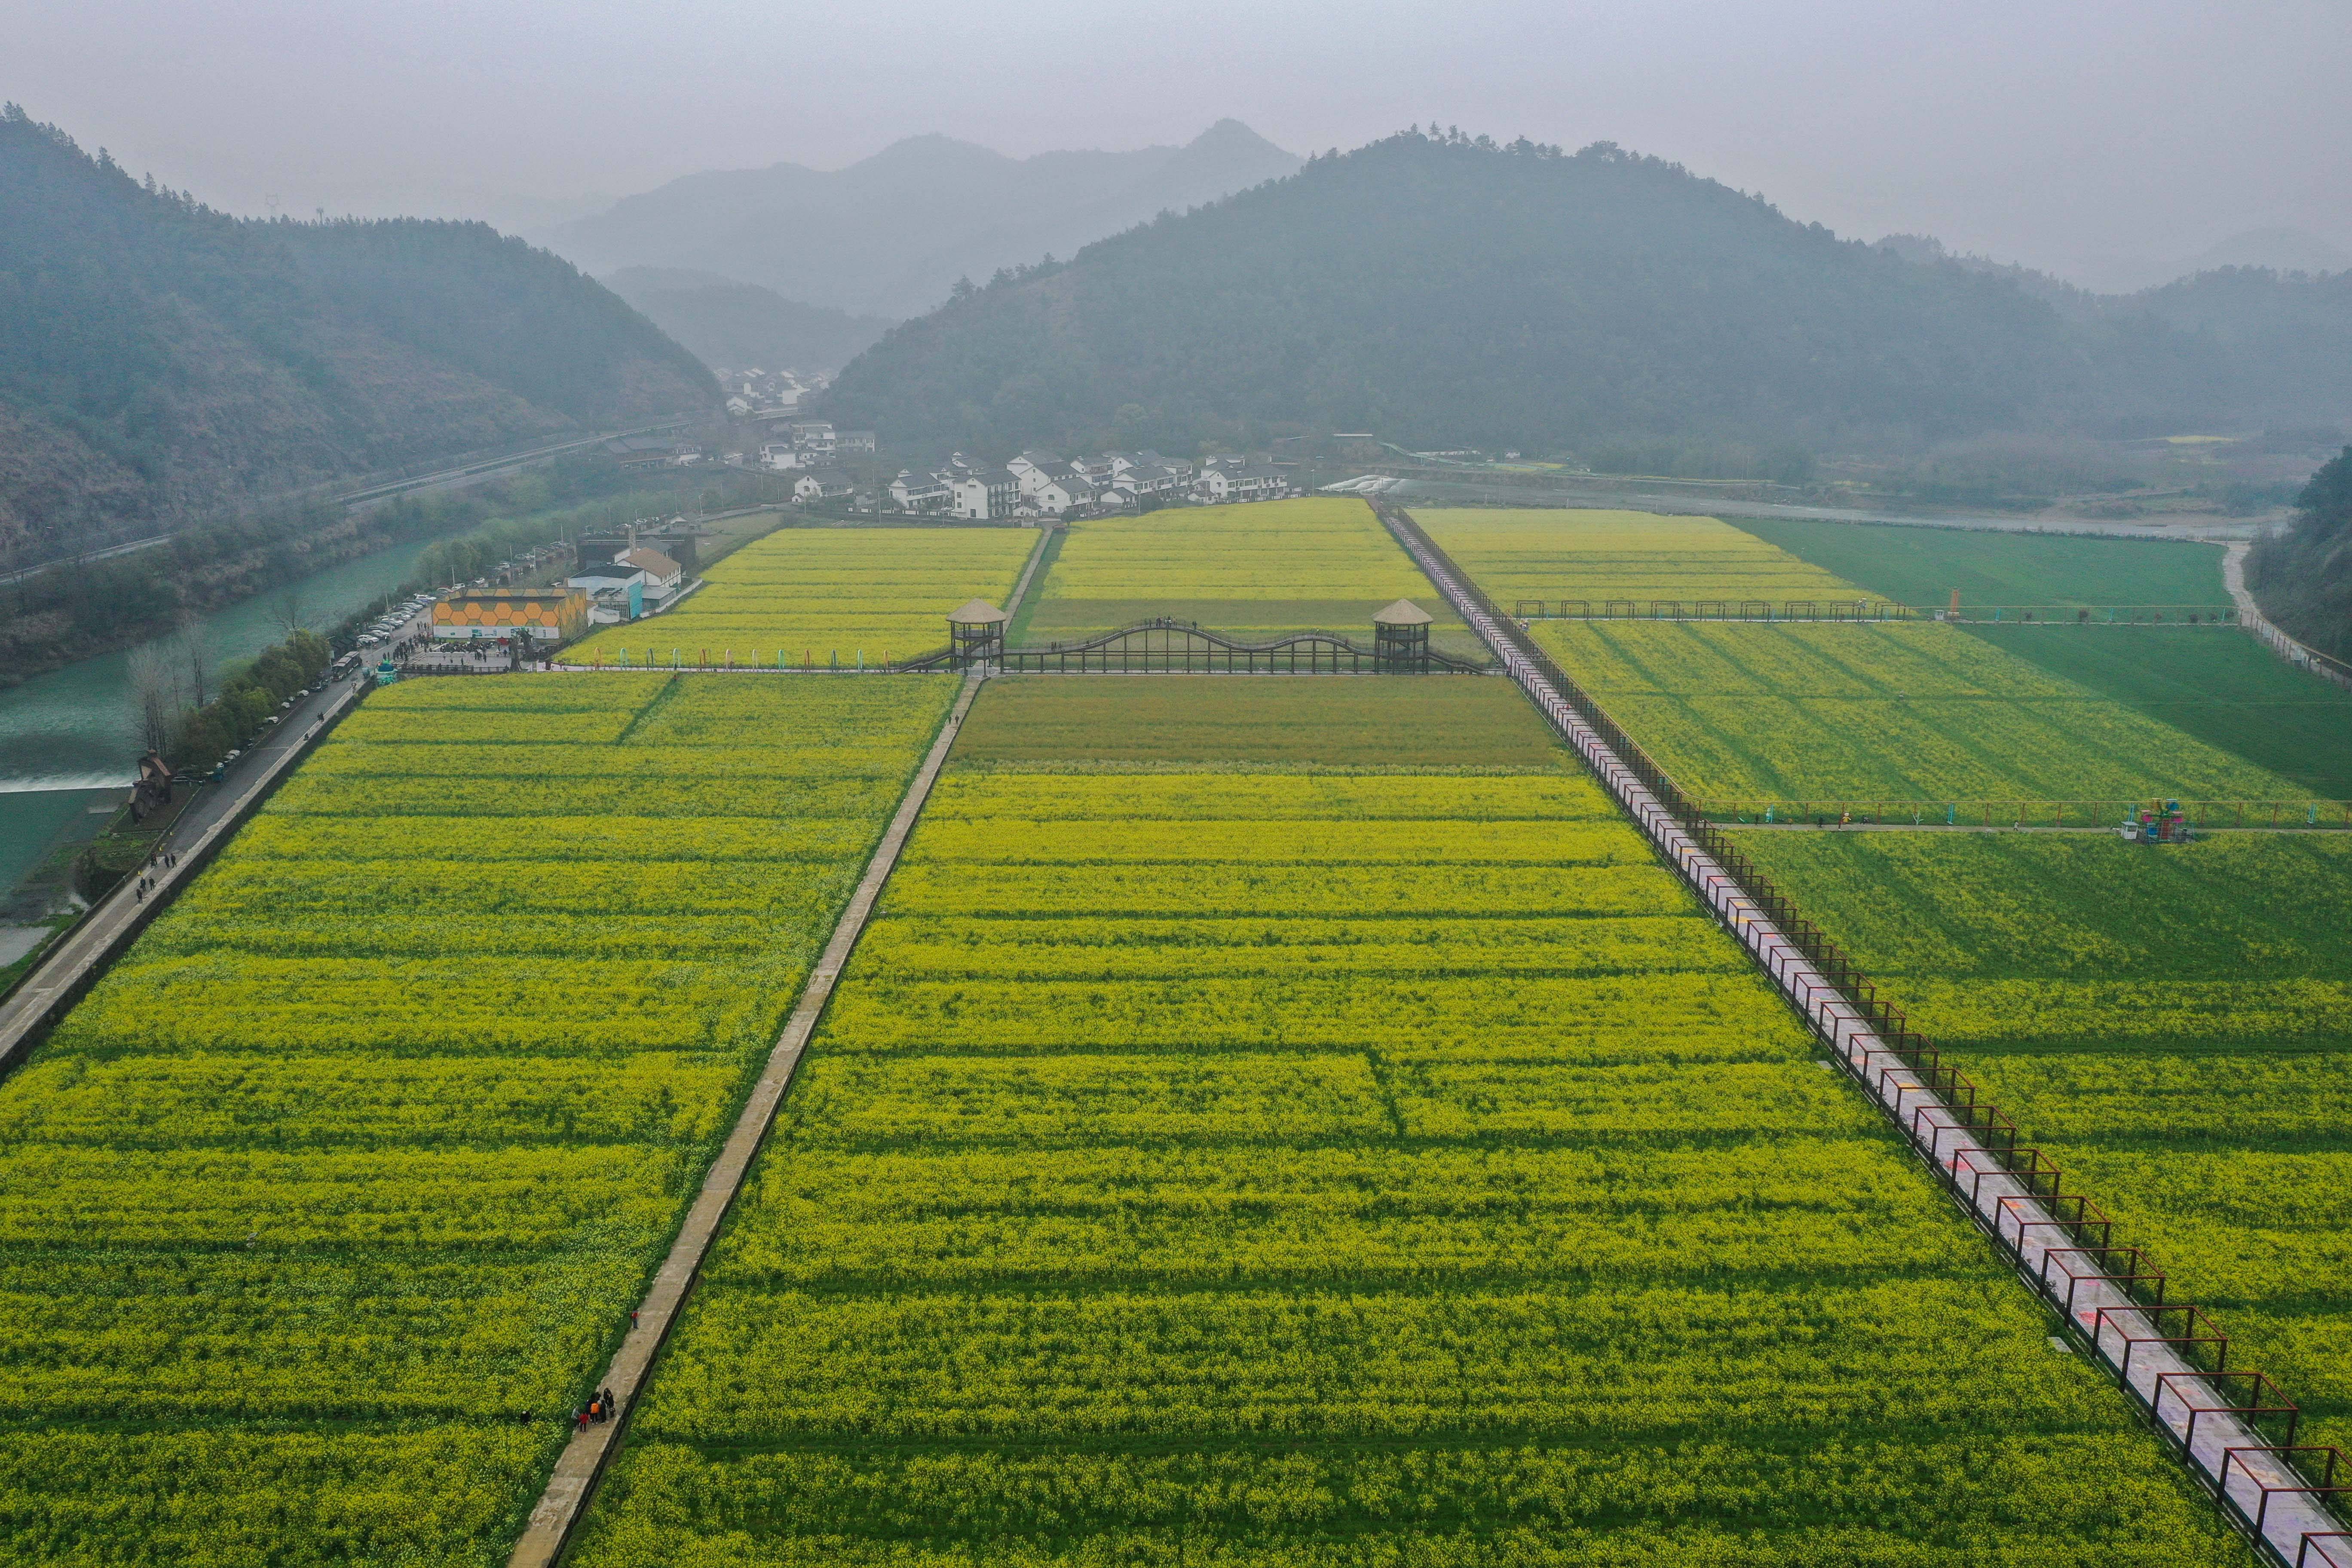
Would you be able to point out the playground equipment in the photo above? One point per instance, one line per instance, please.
(2161, 823)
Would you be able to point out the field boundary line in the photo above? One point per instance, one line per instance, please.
(2251, 617)
(564, 1502)
(1012, 606)
(2253, 1482)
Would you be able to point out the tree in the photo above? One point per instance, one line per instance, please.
(155, 694)
(286, 611)
(2303, 575)
(196, 656)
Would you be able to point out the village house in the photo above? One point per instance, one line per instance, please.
(822, 484)
(1065, 493)
(914, 493)
(985, 493)
(663, 577)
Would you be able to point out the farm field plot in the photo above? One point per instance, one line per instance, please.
(1559, 553)
(323, 1207)
(2174, 1026)
(2216, 684)
(818, 593)
(1922, 565)
(1254, 572)
(1472, 1207)
(1884, 711)
(1353, 723)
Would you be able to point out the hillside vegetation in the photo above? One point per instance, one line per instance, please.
(2304, 576)
(1441, 291)
(158, 358)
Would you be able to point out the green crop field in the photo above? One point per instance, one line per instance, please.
(2215, 684)
(1357, 723)
(321, 1208)
(1895, 711)
(1249, 1168)
(825, 594)
(1557, 553)
(2173, 1025)
(1322, 562)
(1922, 565)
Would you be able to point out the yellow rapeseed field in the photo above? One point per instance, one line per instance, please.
(826, 594)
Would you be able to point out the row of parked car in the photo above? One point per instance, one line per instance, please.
(392, 620)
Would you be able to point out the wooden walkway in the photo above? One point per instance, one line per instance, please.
(2267, 1497)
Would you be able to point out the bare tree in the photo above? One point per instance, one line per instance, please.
(196, 652)
(155, 694)
(286, 611)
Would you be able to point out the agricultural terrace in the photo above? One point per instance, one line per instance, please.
(2174, 1026)
(336, 1191)
(1894, 711)
(1254, 572)
(1241, 1167)
(1923, 565)
(1556, 553)
(827, 594)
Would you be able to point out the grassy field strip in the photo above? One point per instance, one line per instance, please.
(584, 1457)
(1904, 711)
(2102, 1312)
(1922, 566)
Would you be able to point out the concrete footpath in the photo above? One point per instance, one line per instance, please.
(592, 1448)
(208, 822)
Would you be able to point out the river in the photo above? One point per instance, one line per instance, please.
(69, 740)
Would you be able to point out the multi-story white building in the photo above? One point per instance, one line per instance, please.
(983, 493)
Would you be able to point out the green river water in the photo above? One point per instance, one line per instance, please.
(69, 740)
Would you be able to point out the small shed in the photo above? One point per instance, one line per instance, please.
(1400, 639)
(976, 634)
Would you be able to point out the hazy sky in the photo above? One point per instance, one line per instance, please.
(2079, 135)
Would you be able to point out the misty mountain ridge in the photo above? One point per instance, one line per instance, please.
(1449, 291)
(2285, 251)
(159, 358)
(890, 234)
(732, 325)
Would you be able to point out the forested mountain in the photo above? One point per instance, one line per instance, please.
(158, 358)
(740, 325)
(1447, 291)
(890, 234)
(2302, 577)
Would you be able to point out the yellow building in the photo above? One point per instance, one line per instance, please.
(543, 614)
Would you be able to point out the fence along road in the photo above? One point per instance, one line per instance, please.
(2245, 1474)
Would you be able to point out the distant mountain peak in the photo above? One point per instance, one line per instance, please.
(890, 234)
